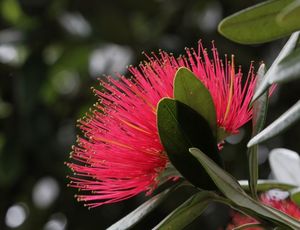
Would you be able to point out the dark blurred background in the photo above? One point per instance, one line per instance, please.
(51, 53)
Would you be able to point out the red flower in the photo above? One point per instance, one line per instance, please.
(120, 154)
(283, 205)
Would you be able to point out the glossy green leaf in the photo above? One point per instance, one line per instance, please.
(265, 185)
(259, 116)
(295, 196)
(188, 211)
(136, 215)
(287, 119)
(286, 50)
(233, 191)
(289, 16)
(285, 165)
(288, 68)
(180, 128)
(256, 24)
(189, 90)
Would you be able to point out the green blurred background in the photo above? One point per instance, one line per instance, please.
(52, 52)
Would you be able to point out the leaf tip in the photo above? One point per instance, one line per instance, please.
(261, 69)
(182, 70)
(193, 151)
(220, 27)
(251, 143)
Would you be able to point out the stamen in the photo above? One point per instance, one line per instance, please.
(230, 88)
(112, 142)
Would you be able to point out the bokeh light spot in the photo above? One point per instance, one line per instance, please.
(58, 221)
(45, 192)
(16, 215)
(66, 82)
(109, 59)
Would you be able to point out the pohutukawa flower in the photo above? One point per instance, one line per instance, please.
(120, 154)
(284, 205)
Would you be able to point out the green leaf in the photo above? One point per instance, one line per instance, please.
(288, 68)
(188, 211)
(287, 119)
(259, 116)
(136, 215)
(286, 50)
(256, 24)
(180, 127)
(189, 90)
(233, 191)
(289, 16)
(260, 106)
(295, 196)
(265, 185)
(253, 170)
(285, 165)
